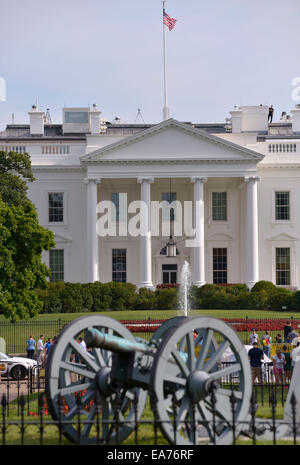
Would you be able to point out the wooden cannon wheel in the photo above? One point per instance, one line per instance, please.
(73, 372)
(187, 369)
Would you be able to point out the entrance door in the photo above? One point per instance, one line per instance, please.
(169, 273)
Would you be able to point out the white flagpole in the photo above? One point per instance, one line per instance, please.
(166, 108)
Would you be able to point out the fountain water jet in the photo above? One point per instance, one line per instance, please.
(184, 289)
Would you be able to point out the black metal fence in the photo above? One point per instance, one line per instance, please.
(16, 333)
(28, 418)
(253, 430)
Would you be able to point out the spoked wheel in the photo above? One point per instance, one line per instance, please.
(194, 392)
(73, 373)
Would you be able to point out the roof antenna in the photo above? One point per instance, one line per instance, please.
(139, 115)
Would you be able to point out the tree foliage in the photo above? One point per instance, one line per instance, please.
(22, 240)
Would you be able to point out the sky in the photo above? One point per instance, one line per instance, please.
(221, 53)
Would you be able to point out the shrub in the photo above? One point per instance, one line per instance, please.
(146, 300)
(281, 297)
(296, 300)
(237, 289)
(72, 298)
(266, 286)
(215, 300)
(166, 298)
(101, 296)
(52, 302)
(123, 295)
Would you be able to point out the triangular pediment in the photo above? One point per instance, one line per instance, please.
(283, 237)
(172, 140)
(59, 238)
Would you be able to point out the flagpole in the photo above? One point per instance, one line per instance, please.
(166, 108)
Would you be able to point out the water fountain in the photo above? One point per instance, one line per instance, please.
(184, 290)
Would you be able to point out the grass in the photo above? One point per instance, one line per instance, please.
(165, 314)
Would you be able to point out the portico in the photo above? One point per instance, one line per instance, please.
(198, 164)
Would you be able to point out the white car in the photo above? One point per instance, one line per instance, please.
(16, 367)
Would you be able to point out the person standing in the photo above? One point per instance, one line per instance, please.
(288, 364)
(82, 343)
(278, 366)
(266, 342)
(270, 115)
(30, 347)
(292, 336)
(286, 330)
(40, 350)
(253, 337)
(295, 355)
(256, 356)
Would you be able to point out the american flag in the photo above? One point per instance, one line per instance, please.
(168, 21)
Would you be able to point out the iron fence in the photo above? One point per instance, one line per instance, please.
(16, 333)
(28, 430)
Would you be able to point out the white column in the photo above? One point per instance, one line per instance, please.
(145, 239)
(199, 249)
(251, 232)
(92, 237)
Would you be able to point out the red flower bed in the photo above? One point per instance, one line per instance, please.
(239, 324)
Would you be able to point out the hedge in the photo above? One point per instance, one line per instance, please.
(96, 297)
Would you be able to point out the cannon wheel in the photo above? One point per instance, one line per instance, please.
(183, 398)
(87, 377)
(164, 328)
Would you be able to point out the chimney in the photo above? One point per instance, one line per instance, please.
(296, 119)
(252, 118)
(36, 121)
(95, 119)
(236, 120)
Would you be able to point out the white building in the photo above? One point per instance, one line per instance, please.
(241, 178)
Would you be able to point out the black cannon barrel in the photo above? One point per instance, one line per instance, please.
(95, 338)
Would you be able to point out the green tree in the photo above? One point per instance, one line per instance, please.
(15, 173)
(22, 241)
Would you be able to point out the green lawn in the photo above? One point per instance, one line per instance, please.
(165, 314)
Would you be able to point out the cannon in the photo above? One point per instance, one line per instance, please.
(178, 368)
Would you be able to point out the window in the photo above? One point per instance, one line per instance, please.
(119, 265)
(282, 206)
(220, 266)
(168, 197)
(56, 264)
(169, 274)
(76, 117)
(56, 207)
(283, 266)
(219, 206)
(119, 199)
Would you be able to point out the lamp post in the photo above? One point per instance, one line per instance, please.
(171, 249)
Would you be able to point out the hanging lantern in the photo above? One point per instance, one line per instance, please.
(171, 248)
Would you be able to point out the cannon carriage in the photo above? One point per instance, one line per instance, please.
(178, 368)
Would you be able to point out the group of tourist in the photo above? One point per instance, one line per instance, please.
(43, 349)
(283, 359)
